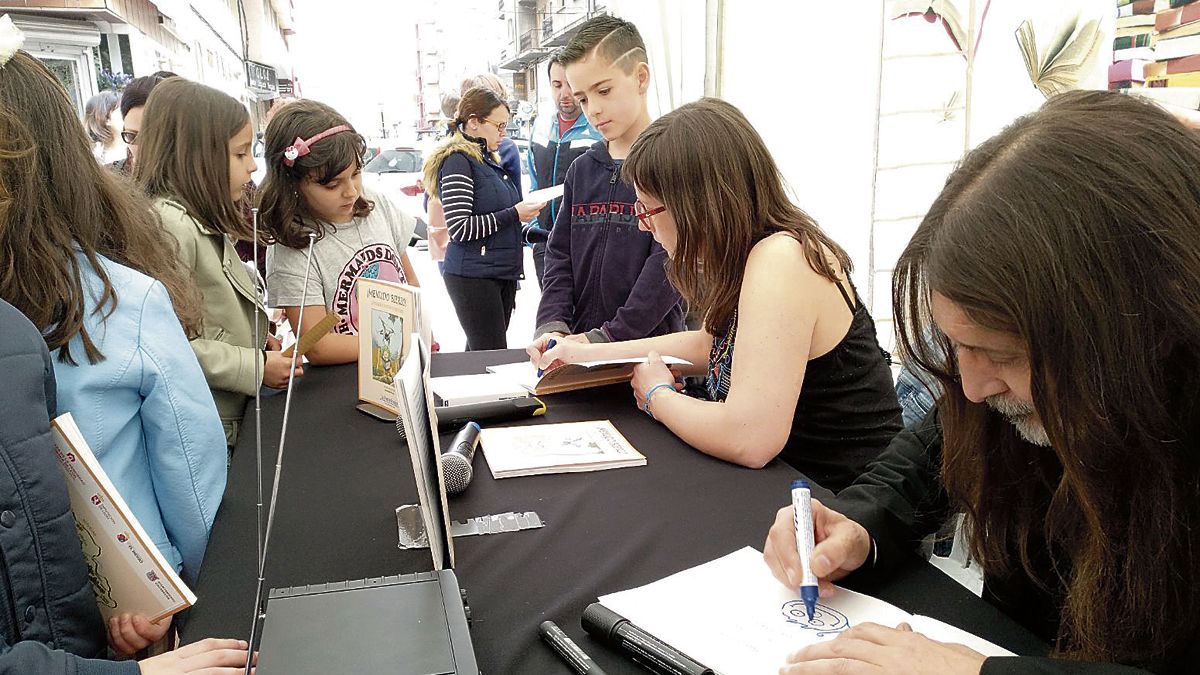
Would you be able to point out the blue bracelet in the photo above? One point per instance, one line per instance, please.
(649, 394)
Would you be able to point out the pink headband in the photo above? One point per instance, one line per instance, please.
(300, 147)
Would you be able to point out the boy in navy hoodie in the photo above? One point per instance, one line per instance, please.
(605, 279)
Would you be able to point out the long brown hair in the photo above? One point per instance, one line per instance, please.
(283, 212)
(55, 197)
(712, 170)
(96, 117)
(1077, 230)
(184, 151)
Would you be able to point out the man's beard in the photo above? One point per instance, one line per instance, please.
(1022, 416)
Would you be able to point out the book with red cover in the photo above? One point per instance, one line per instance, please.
(1176, 17)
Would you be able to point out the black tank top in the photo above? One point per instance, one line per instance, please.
(847, 412)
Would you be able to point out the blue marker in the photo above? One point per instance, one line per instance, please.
(802, 504)
(549, 345)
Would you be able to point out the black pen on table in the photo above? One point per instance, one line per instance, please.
(566, 648)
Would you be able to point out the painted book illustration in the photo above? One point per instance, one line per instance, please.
(128, 573)
(388, 316)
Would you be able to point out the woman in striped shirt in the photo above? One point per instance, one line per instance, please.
(483, 209)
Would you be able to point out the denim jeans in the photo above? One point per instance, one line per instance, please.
(916, 397)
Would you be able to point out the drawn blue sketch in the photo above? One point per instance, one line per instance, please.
(825, 621)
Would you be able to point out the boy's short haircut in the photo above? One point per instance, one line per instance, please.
(617, 40)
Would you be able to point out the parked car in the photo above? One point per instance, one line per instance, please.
(397, 172)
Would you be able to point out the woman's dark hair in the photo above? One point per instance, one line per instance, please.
(185, 151)
(1077, 230)
(137, 92)
(282, 210)
(96, 117)
(55, 197)
(673, 160)
(477, 102)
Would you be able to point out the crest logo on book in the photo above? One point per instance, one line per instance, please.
(70, 456)
(122, 538)
(96, 500)
(151, 576)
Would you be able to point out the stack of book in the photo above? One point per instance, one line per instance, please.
(1157, 44)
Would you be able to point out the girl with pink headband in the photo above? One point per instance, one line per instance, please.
(314, 185)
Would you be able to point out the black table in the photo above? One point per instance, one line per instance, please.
(344, 474)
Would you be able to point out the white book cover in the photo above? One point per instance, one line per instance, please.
(734, 617)
(127, 571)
(571, 447)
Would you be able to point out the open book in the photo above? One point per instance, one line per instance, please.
(734, 617)
(128, 573)
(537, 449)
(572, 376)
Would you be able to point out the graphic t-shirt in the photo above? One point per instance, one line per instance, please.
(367, 247)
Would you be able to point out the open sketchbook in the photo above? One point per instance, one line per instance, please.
(536, 449)
(733, 616)
(572, 376)
(128, 573)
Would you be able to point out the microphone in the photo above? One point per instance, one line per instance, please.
(456, 462)
(654, 654)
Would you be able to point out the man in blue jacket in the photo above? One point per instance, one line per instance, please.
(552, 150)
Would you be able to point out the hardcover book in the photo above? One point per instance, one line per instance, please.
(128, 572)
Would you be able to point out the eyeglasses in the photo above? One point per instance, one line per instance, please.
(500, 126)
(643, 214)
(130, 137)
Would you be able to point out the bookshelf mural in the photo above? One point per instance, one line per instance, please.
(1156, 45)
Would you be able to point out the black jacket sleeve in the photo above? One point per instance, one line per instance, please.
(899, 499)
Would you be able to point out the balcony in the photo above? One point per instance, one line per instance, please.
(547, 29)
(527, 51)
(568, 31)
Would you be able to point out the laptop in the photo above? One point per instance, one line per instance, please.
(408, 624)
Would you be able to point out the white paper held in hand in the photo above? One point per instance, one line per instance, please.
(544, 195)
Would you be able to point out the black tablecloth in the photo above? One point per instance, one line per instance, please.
(344, 474)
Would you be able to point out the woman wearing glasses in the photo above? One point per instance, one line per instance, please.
(809, 383)
(484, 212)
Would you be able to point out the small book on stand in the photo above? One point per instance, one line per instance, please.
(127, 571)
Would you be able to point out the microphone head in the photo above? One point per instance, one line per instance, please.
(457, 472)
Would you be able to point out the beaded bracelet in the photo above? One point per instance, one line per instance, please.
(650, 394)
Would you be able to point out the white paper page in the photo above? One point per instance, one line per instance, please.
(462, 389)
(545, 194)
(733, 616)
(944, 632)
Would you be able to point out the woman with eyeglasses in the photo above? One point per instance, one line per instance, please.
(133, 104)
(808, 382)
(484, 212)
